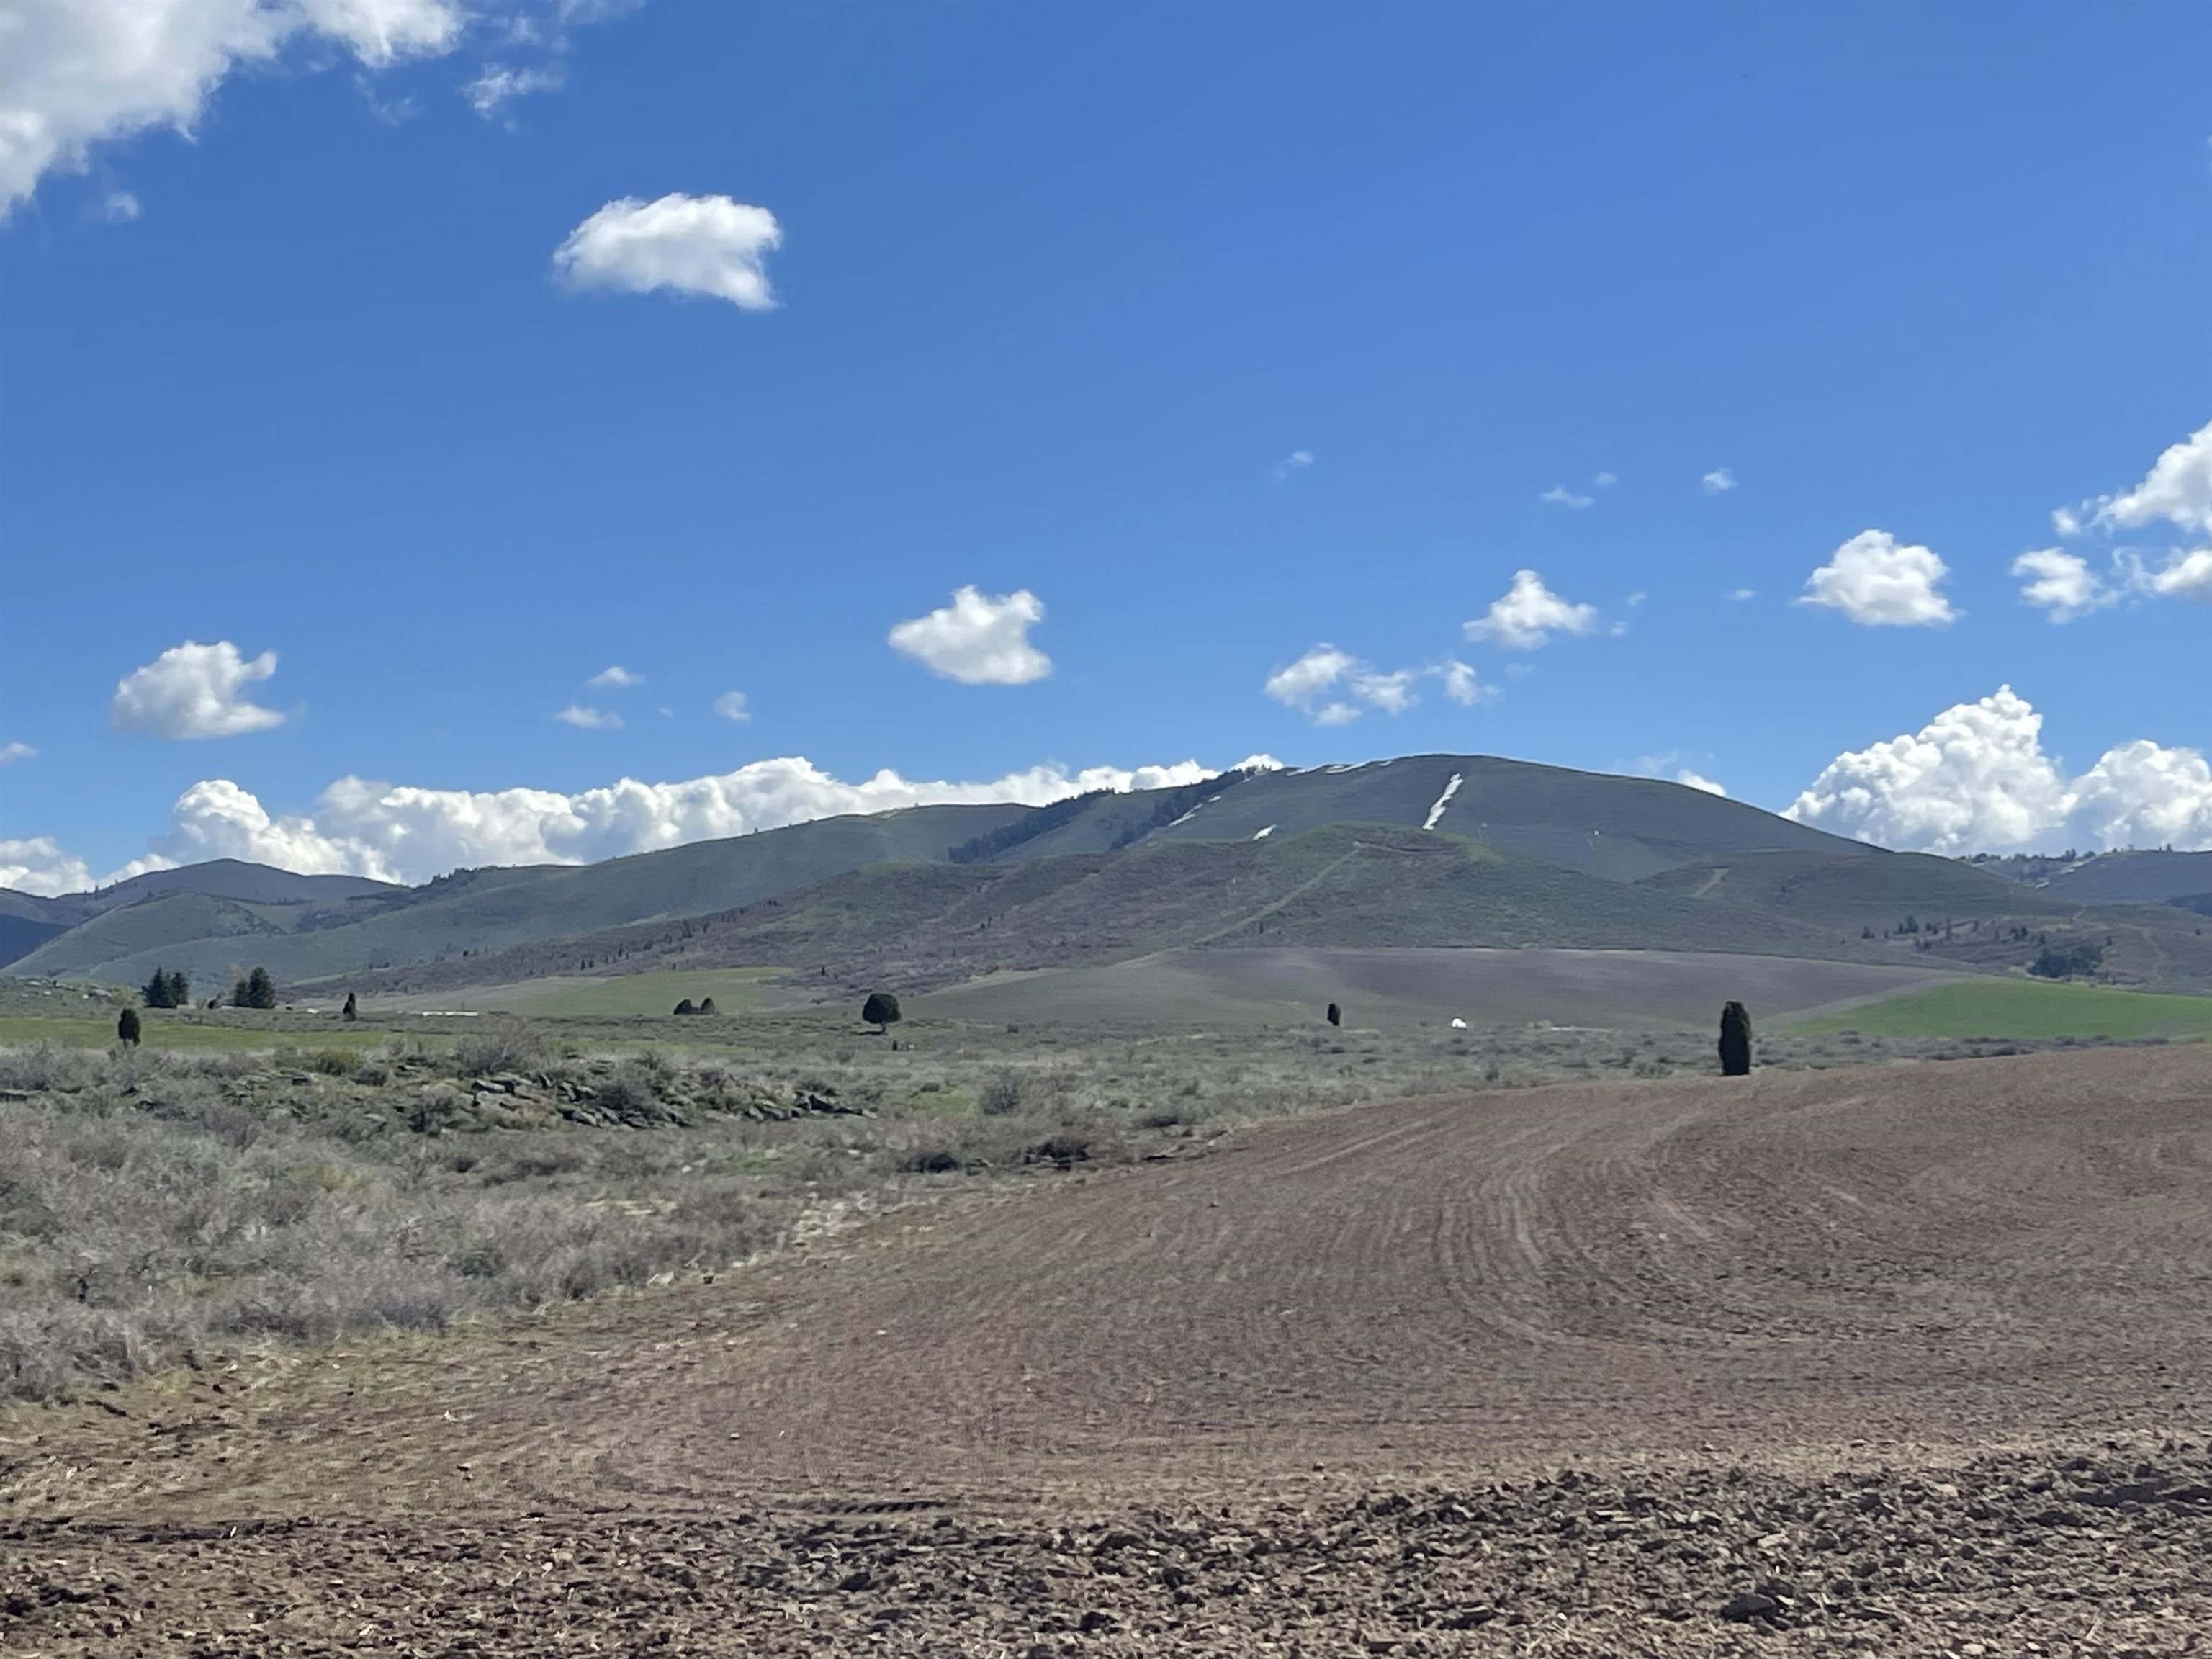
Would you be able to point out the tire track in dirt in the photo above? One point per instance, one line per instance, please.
(1940, 1257)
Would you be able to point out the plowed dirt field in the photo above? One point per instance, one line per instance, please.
(1911, 1360)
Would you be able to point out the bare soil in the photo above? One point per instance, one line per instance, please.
(1910, 1359)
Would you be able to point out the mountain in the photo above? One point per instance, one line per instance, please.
(211, 938)
(919, 926)
(1621, 829)
(1854, 893)
(1557, 856)
(28, 921)
(2154, 877)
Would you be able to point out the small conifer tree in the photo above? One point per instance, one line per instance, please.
(1735, 1041)
(685, 1007)
(352, 1010)
(1335, 1015)
(881, 1010)
(126, 1026)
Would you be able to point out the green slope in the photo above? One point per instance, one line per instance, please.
(1852, 893)
(2023, 1008)
(1621, 829)
(479, 911)
(1348, 885)
(2154, 877)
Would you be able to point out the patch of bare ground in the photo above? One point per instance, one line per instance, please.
(1904, 1360)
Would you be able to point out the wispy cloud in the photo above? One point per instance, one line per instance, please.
(1297, 461)
(731, 706)
(590, 720)
(615, 676)
(1718, 481)
(12, 752)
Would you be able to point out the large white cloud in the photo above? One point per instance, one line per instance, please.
(1879, 582)
(195, 690)
(2189, 577)
(1529, 613)
(75, 72)
(1976, 778)
(977, 639)
(707, 245)
(2177, 489)
(395, 832)
(39, 864)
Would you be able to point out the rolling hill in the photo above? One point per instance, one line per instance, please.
(487, 909)
(1341, 885)
(1422, 851)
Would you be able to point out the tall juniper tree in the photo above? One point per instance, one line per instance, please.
(1735, 1041)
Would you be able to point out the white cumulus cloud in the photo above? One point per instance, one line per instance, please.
(1463, 686)
(2177, 489)
(706, 245)
(2061, 584)
(2189, 577)
(11, 752)
(1698, 780)
(1718, 481)
(1528, 614)
(616, 677)
(195, 690)
(977, 641)
(397, 833)
(590, 720)
(1332, 687)
(1878, 582)
(76, 73)
(1976, 778)
(733, 706)
(39, 864)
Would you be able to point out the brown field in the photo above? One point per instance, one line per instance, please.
(1896, 1360)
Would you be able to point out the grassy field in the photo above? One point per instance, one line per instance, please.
(1620, 989)
(628, 996)
(2023, 1008)
(154, 1032)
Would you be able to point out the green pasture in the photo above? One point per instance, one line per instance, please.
(154, 1032)
(2021, 1008)
(735, 990)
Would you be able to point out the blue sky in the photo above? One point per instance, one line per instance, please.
(1046, 301)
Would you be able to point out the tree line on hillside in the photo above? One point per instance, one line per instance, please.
(168, 989)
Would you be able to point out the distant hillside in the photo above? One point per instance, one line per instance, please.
(1621, 829)
(2134, 877)
(1345, 885)
(490, 909)
(1695, 853)
(1854, 893)
(27, 922)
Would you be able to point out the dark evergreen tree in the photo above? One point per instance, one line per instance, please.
(352, 1010)
(180, 990)
(238, 995)
(685, 1007)
(707, 1006)
(1335, 1015)
(256, 990)
(126, 1026)
(1735, 1041)
(881, 1010)
(156, 992)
